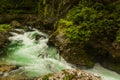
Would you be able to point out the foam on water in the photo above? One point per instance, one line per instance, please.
(104, 73)
(30, 51)
(34, 55)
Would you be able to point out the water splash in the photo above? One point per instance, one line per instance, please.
(30, 50)
(104, 73)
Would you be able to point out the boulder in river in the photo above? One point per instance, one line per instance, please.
(70, 74)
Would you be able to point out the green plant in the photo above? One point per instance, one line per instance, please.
(118, 36)
(5, 27)
(89, 20)
(66, 22)
(76, 35)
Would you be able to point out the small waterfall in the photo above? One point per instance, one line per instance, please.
(30, 51)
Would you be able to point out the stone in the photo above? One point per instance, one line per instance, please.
(15, 23)
(70, 74)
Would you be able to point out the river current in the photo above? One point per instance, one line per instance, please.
(30, 51)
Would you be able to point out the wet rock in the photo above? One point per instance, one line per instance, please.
(4, 68)
(3, 42)
(7, 73)
(2, 38)
(16, 24)
(91, 52)
(70, 74)
(15, 78)
(72, 54)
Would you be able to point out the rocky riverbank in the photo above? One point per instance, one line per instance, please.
(87, 54)
(67, 74)
(84, 31)
(71, 74)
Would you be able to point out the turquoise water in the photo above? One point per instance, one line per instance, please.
(34, 56)
(30, 51)
(104, 73)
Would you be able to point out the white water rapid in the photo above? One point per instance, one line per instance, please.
(30, 50)
(105, 74)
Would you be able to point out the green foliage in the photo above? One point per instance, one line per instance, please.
(68, 76)
(93, 21)
(76, 35)
(18, 6)
(118, 36)
(46, 77)
(5, 27)
(66, 22)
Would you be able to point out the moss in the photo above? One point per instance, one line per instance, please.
(46, 77)
(89, 20)
(65, 22)
(118, 37)
(5, 27)
(68, 76)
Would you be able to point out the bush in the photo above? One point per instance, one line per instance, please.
(88, 21)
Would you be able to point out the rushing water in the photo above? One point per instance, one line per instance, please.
(30, 51)
(104, 73)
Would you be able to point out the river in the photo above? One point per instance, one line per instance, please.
(30, 51)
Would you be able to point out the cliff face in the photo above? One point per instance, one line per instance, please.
(71, 53)
(89, 33)
(88, 54)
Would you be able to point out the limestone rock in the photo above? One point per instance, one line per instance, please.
(70, 74)
(71, 54)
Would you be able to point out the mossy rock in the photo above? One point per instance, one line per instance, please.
(5, 27)
(74, 54)
(15, 23)
(4, 34)
(46, 77)
(70, 74)
(78, 57)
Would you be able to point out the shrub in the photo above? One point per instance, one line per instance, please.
(90, 20)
